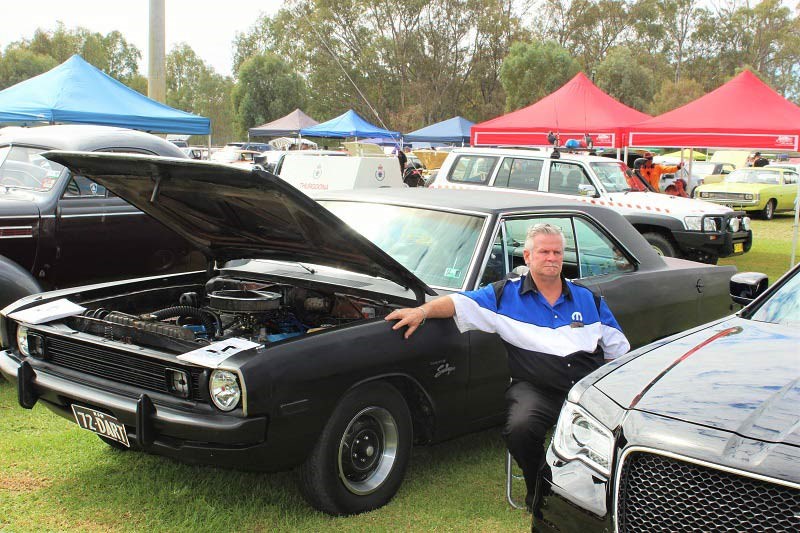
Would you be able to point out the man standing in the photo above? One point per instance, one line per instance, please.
(555, 333)
(652, 173)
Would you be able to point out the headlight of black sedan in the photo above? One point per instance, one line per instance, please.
(580, 436)
(225, 389)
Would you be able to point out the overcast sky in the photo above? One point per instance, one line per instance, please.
(209, 27)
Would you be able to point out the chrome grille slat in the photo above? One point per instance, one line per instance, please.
(116, 365)
(662, 493)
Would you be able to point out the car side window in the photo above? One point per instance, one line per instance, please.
(519, 173)
(565, 178)
(474, 169)
(598, 255)
(507, 249)
(83, 187)
(790, 178)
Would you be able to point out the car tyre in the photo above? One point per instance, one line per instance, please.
(769, 210)
(661, 244)
(360, 459)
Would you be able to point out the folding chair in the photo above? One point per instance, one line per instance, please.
(511, 475)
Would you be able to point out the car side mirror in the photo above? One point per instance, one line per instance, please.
(585, 189)
(747, 286)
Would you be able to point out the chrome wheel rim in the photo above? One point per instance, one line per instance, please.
(368, 450)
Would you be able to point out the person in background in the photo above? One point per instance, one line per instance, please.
(401, 156)
(555, 333)
(759, 160)
(652, 172)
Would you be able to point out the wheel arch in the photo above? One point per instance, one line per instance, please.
(417, 399)
(15, 282)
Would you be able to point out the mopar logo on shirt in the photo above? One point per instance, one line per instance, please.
(380, 174)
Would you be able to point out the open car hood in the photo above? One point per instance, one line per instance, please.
(231, 213)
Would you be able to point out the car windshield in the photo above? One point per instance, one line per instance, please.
(437, 246)
(700, 168)
(753, 175)
(23, 167)
(783, 306)
(612, 176)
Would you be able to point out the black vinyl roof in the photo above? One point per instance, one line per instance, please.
(88, 138)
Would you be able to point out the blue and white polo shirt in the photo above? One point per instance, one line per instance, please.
(551, 346)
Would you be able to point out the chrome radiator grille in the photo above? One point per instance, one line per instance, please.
(117, 365)
(659, 493)
(726, 195)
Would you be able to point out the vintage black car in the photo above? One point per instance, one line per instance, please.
(58, 229)
(697, 432)
(326, 384)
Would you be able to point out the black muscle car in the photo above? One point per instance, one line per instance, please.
(59, 229)
(697, 432)
(278, 355)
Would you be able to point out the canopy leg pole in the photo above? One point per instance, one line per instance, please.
(625, 157)
(796, 217)
(618, 154)
(209, 146)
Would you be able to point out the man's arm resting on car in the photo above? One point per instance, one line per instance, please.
(414, 317)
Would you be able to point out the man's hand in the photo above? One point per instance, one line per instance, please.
(680, 165)
(413, 317)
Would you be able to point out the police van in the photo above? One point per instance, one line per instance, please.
(674, 226)
(312, 171)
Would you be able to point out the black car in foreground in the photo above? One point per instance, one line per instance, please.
(59, 229)
(697, 432)
(278, 356)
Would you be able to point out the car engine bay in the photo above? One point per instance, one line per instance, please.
(179, 320)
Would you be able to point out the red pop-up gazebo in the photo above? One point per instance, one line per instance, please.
(743, 113)
(577, 108)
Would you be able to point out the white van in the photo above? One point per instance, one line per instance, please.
(674, 226)
(336, 171)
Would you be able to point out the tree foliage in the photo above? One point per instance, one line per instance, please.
(194, 86)
(531, 71)
(409, 63)
(268, 89)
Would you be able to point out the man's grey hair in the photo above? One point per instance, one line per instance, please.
(542, 229)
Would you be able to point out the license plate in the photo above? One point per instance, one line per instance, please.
(100, 423)
(738, 247)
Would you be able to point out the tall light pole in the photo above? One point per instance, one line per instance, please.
(156, 67)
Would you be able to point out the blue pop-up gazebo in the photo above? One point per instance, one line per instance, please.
(454, 130)
(79, 93)
(349, 124)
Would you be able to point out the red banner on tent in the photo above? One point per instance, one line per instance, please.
(537, 138)
(763, 141)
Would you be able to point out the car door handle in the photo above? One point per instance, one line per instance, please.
(700, 285)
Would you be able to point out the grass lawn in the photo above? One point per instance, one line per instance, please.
(57, 477)
(772, 248)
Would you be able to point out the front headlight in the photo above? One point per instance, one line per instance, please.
(22, 340)
(580, 436)
(704, 194)
(748, 196)
(710, 224)
(692, 223)
(225, 389)
(746, 223)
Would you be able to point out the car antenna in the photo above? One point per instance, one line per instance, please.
(308, 268)
(335, 57)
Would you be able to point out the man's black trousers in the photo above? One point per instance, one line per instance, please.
(532, 411)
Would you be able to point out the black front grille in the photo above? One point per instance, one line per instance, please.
(658, 493)
(117, 365)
